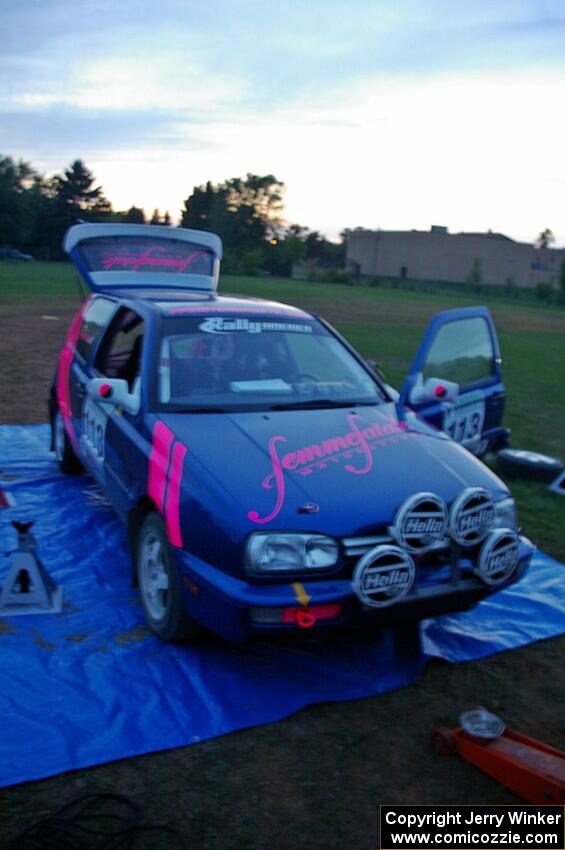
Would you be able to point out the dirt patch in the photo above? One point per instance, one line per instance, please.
(41, 642)
(7, 628)
(136, 635)
(28, 351)
(68, 609)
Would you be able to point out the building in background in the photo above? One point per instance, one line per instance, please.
(438, 255)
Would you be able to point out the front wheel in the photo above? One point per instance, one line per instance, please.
(64, 451)
(159, 584)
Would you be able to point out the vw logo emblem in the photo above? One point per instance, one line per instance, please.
(471, 516)
(383, 576)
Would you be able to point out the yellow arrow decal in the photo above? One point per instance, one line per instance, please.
(300, 593)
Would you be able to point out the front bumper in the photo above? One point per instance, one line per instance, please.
(230, 606)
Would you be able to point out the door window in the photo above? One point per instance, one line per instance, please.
(120, 352)
(461, 352)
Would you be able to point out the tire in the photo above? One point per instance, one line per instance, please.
(525, 464)
(159, 584)
(64, 452)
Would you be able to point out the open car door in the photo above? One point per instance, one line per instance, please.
(455, 381)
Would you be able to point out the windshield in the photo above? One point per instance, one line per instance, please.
(252, 362)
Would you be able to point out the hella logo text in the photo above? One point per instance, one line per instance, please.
(377, 580)
(417, 525)
(501, 562)
(475, 520)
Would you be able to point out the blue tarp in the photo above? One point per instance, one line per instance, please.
(91, 684)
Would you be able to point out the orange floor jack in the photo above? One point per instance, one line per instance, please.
(530, 769)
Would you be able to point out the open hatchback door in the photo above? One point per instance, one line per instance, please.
(455, 381)
(143, 256)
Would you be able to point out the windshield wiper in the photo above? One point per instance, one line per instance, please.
(314, 403)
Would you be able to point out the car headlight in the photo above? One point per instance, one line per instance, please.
(273, 553)
(505, 513)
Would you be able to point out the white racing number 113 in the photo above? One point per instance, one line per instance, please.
(94, 421)
(463, 420)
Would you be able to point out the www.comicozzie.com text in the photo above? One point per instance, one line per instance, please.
(468, 827)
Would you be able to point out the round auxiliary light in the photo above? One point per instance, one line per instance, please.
(498, 557)
(471, 516)
(420, 522)
(383, 576)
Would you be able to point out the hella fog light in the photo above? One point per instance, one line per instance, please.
(505, 513)
(272, 553)
(498, 557)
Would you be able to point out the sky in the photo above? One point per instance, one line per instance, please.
(374, 113)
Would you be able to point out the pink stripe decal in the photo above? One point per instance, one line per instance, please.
(64, 374)
(159, 460)
(172, 507)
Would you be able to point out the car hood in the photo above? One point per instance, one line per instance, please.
(343, 471)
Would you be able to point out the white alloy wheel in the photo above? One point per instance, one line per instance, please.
(153, 576)
(160, 583)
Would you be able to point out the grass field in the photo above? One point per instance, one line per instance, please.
(316, 779)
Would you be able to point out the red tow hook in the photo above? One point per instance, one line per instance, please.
(304, 618)
(309, 616)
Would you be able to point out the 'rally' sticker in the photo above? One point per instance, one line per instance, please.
(221, 325)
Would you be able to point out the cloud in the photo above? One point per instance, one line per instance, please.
(270, 54)
(52, 136)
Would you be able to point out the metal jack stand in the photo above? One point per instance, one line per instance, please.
(28, 587)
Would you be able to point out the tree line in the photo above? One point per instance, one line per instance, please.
(246, 212)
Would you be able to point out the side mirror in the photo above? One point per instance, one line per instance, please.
(433, 389)
(114, 391)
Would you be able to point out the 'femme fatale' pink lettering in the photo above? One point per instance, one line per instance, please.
(301, 460)
(110, 261)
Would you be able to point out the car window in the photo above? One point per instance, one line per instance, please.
(250, 361)
(119, 355)
(462, 352)
(95, 318)
(145, 255)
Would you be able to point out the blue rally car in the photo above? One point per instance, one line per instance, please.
(269, 480)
